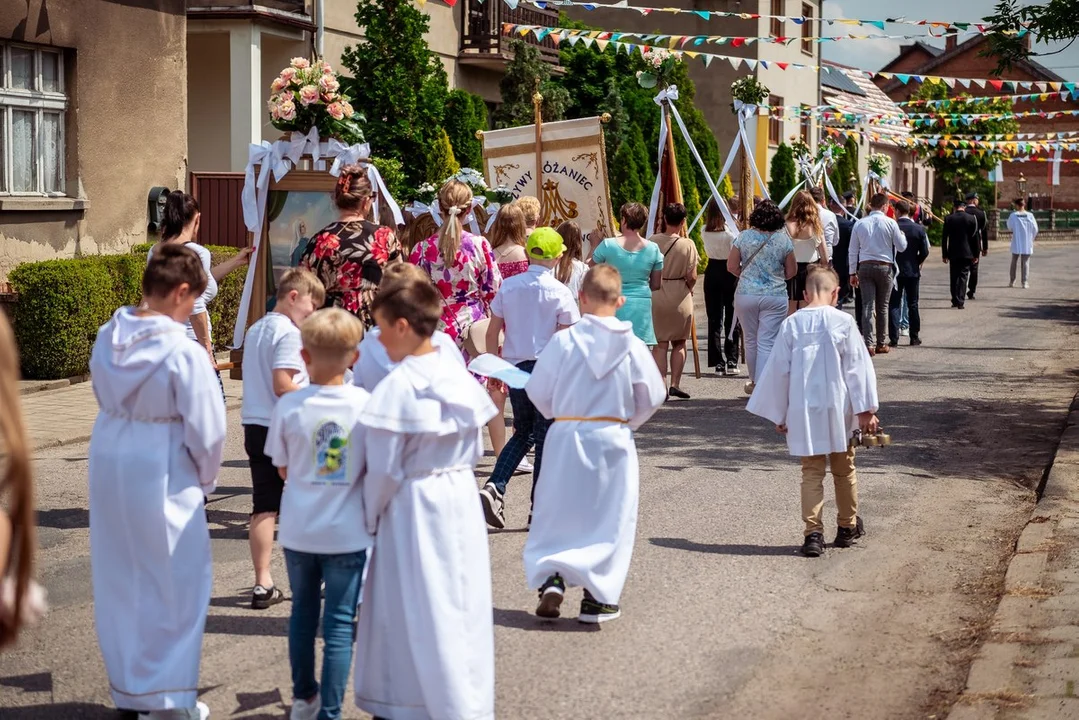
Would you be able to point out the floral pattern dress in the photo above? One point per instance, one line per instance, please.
(468, 284)
(348, 258)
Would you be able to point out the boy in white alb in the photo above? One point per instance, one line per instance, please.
(272, 366)
(818, 387)
(426, 633)
(532, 307)
(316, 442)
(585, 513)
(374, 363)
(155, 450)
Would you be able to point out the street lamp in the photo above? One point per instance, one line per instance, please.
(1021, 186)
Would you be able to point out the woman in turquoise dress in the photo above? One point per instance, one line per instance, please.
(641, 264)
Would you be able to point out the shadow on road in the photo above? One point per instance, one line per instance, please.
(1054, 311)
(64, 518)
(524, 620)
(692, 546)
(67, 711)
(247, 625)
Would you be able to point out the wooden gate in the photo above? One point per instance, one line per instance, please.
(219, 198)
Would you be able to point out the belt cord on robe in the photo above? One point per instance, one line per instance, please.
(592, 419)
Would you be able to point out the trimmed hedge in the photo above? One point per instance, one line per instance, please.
(62, 303)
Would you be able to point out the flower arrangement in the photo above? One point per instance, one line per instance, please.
(308, 94)
(749, 90)
(660, 63)
(471, 177)
(426, 193)
(879, 164)
(800, 148)
(500, 195)
(838, 150)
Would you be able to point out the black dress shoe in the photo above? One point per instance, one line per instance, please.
(914, 342)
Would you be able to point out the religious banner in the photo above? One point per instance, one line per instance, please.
(567, 171)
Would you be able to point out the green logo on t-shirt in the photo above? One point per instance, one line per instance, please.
(331, 453)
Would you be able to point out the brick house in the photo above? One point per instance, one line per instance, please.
(964, 60)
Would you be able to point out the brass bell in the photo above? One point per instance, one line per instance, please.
(883, 438)
(870, 441)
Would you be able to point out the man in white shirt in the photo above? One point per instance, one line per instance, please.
(873, 244)
(1024, 228)
(828, 220)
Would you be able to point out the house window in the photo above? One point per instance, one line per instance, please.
(32, 116)
(807, 28)
(776, 23)
(775, 120)
(806, 123)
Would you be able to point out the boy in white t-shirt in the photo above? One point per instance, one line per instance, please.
(272, 366)
(316, 443)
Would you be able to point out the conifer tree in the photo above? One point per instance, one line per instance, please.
(784, 175)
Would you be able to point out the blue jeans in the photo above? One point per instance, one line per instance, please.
(342, 574)
(529, 428)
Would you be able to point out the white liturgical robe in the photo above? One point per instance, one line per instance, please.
(584, 518)
(425, 644)
(155, 450)
(818, 379)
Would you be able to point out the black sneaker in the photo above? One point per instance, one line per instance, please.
(813, 545)
(678, 393)
(493, 506)
(732, 369)
(551, 596)
(846, 537)
(915, 342)
(262, 598)
(893, 343)
(593, 612)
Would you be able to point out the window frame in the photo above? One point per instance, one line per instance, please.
(40, 102)
(775, 25)
(806, 124)
(775, 122)
(807, 29)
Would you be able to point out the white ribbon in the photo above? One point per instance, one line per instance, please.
(470, 218)
(790, 196)
(360, 154)
(344, 155)
(835, 198)
(492, 213)
(300, 144)
(744, 113)
(1057, 156)
(664, 99)
(418, 208)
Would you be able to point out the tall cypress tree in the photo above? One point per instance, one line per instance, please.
(784, 175)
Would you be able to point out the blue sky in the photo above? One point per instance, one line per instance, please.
(872, 54)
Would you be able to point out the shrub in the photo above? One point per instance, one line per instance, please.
(784, 173)
(62, 303)
(394, 176)
(441, 163)
(461, 123)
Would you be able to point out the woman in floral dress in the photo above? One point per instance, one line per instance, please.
(462, 265)
(348, 255)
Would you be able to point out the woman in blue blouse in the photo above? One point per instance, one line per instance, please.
(762, 258)
(640, 263)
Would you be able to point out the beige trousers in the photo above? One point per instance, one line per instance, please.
(846, 489)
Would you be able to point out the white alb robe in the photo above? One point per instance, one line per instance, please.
(1024, 228)
(155, 450)
(818, 379)
(584, 517)
(425, 644)
(374, 362)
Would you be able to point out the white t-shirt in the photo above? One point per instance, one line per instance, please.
(717, 245)
(316, 434)
(375, 364)
(533, 304)
(805, 251)
(272, 343)
(207, 295)
(576, 278)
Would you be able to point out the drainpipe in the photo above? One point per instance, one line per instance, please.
(320, 22)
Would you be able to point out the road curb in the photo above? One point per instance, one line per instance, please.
(1014, 669)
(32, 387)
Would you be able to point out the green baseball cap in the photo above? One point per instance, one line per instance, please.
(545, 244)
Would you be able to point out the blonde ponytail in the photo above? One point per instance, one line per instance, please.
(455, 201)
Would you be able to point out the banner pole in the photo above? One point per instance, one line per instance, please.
(537, 103)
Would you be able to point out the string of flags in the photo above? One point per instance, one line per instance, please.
(947, 145)
(938, 28)
(1068, 92)
(601, 39)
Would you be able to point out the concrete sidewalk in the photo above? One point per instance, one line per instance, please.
(64, 416)
(1029, 666)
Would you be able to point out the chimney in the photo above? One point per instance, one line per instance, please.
(951, 42)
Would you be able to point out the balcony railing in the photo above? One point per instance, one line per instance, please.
(483, 38)
(297, 13)
(298, 7)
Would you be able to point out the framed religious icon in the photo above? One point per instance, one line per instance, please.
(298, 206)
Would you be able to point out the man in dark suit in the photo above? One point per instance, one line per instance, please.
(983, 234)
(910, 275)
(839, 253)
(959, 245)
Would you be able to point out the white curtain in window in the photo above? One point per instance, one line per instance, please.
(22, 69)
(23, 177)
(51, 152)
(50, 72)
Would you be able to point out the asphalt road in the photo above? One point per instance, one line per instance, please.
(722, 617)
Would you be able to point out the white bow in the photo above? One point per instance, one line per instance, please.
(269, 157)
(298, 144)
(668, 93)
(418, 208)
(344, 155)
(492, 213)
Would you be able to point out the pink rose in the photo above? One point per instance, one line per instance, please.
(275, 110)
(288, 95)
(287, 111)
(308, 95)
(326, 69)
(278, 85)
(329, 84)
(300, 63)
(349, 111)
(288, 74)
(336, 111)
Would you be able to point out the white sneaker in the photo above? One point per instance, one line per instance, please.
(1011, 284)
(305, 709)
(904, 332)
(204, 711)
(1026, 285)
(524, 468)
